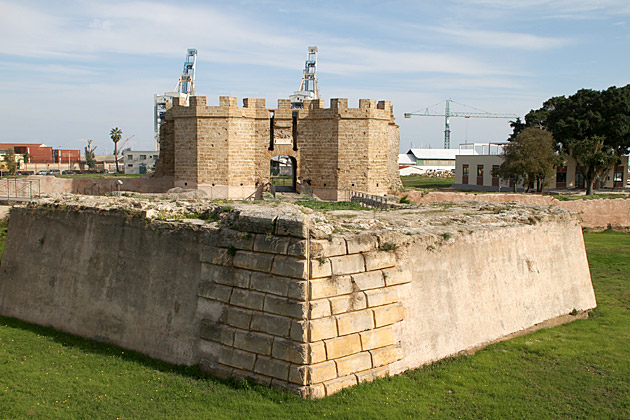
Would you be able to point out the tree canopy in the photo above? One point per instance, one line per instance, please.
(116, 135)
(90, 158)
(9, 159)
(591, 126)
(530, 157)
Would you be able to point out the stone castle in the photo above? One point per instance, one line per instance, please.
(226, 150)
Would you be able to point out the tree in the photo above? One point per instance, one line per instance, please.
(591, 126)
(90, 159)
(594, 158)
(517, 127)
(530, 157)
(26, 157)
(9, 159)
(116, 135)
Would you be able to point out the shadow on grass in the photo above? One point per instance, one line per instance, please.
(107, 349)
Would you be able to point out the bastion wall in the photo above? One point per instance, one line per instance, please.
(270, 297)
(226, 150)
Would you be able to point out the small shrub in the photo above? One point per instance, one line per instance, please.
(231, 250)
(389, 246)
(322, 260)
(206, 215)
(330, 205)
(405, 199)
(446, 235)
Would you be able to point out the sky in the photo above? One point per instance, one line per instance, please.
(73, 70)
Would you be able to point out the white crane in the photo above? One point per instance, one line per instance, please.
(308, 86)
(184, 89)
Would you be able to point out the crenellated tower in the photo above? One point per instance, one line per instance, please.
(226, 150)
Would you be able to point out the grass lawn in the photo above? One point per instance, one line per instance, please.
(571, 197)
(575, 371)
(426, 182)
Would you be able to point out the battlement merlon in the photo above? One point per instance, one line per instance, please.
(368, 108)
(228, 107)
(256, 108)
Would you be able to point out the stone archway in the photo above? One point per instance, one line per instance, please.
(283, 173)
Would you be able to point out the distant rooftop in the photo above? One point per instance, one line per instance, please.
(438, 154)
(487, 148)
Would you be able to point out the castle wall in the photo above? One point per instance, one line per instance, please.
(108, 277)
(480, 290)
(225, 149)
(318, 140)
(165, 165)
(270, 297)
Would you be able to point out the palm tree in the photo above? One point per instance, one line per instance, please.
(116, 135)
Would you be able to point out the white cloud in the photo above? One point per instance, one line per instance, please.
(148, 29)
(488, 39)
(573, 9)
(356, 59)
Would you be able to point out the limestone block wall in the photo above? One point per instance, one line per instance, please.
(354, 309)
(253, 301)
(269, 295)
(165, 165)
(105, 276)
(226, 149)
(349, 148)
(471, 290)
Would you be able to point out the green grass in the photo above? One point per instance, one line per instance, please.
(284, 181)
(331, 205)
(572, 197)
(426, 182)
(574, 371)
(3, 236)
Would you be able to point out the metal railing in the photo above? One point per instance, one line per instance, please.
(370, 200)
(19, 189)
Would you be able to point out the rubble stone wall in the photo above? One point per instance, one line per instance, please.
(596, 214)
(48, 184)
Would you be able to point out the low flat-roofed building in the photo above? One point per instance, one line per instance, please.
(37, 152)
(431, 159)
(139, 161)
(475, 172)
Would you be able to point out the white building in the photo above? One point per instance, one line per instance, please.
(423, 160)
(139, 161)
(476, 173)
